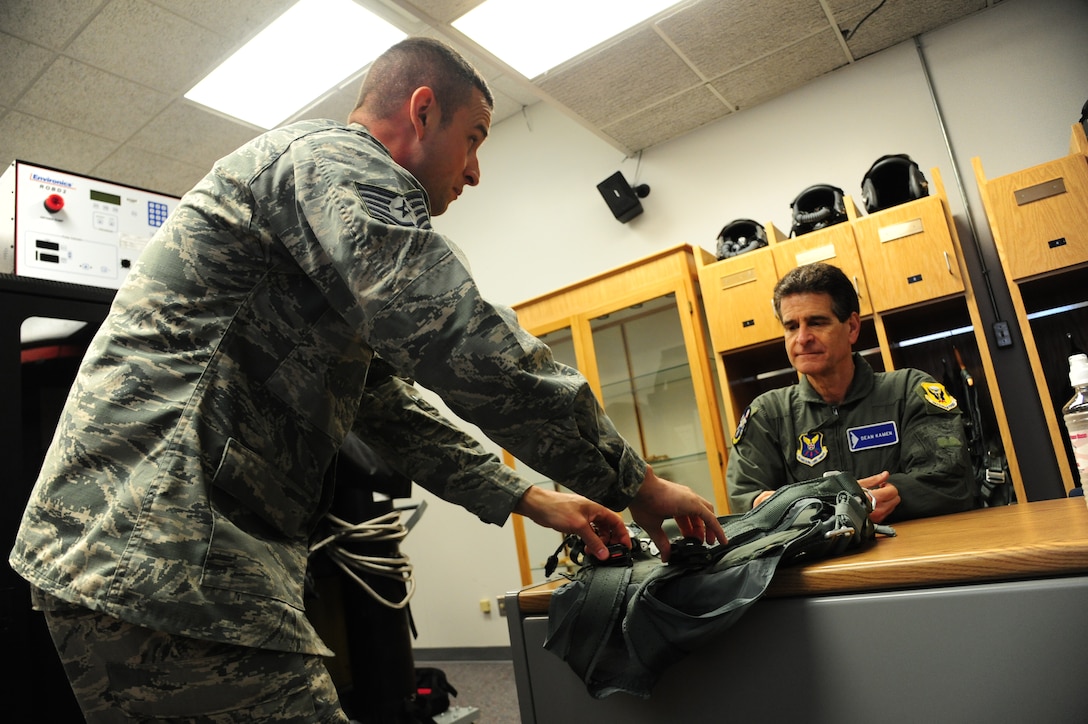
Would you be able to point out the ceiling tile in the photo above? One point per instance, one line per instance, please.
(149, 171)
(621, 79)
(446, 11)
(45, 143)
(783, 71)
(238, 19)
(49, 24)
(516, 89)
(22, 62)
(96, 101)
(668, 119)
(79, 73)
(895, 22)
(505, 107)
(717, 35)
(126, 40)
(336, 105)
(187, 133)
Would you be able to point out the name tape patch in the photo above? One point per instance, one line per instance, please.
(879, 434)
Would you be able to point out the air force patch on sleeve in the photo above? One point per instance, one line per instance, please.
(391, 208)
(811, 448)
(742, 424)
(935, 394)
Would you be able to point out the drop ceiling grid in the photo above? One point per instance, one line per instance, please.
(96, 86)
(719, 36)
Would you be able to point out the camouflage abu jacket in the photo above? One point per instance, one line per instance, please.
(190, 462)
(902, 421)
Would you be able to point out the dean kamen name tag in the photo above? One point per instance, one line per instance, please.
(879, 434)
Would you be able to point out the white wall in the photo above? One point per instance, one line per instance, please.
(1010, 82)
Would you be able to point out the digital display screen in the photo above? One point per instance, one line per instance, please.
(105, 198)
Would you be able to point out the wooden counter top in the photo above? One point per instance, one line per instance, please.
(1044, 539)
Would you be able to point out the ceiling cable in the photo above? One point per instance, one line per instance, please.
(849, 34)
(959, 179)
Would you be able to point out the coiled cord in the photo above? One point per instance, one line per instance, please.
(384, 528)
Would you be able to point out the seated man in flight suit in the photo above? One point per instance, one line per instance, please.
(899, 433)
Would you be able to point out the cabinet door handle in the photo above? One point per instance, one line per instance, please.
(857, 289)
(948, 262)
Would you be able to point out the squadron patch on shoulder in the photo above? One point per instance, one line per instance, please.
(742, 424)
(811, 448)
(935, 394)
(401, 209)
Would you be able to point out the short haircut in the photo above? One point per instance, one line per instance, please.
(819, 278)
(414, 63)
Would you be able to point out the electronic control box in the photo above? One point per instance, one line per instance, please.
(66, 227)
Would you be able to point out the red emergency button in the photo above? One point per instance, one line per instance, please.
(54, 203)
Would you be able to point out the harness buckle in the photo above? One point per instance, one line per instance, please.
(618, 555)
(842, 530)
(689, 552)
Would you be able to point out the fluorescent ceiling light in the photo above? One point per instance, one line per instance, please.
(533, 38)
(309, 49)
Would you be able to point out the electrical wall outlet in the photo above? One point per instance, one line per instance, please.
(501, 601)
(1002, 335)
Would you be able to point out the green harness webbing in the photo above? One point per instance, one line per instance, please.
(619, 626)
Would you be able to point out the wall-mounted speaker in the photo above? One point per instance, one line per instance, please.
(621, 198)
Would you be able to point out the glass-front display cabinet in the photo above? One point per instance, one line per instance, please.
(638, 335)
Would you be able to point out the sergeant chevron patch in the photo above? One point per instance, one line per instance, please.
(400, 209)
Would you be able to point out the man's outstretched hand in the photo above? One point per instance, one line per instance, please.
(596, 525)
(659, 499)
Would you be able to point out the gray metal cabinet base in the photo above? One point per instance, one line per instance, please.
(993, 652)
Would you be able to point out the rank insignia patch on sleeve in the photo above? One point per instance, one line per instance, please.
(401, 209)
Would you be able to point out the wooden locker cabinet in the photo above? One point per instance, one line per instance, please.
(833, 245)
(1039, 216)
(1039, 220)
(917, 305)
(921, 290)
(908, 254)
(737, 295)
(639, 336)
(738, 291)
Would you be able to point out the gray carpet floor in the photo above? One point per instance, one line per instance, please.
(485, 685)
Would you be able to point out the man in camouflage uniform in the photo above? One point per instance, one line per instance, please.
(901, 433)
(166, 537)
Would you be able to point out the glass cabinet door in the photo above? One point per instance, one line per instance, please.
(638, 334)
(648, 392)
(540, 542)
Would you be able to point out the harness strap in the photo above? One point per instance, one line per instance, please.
(601, 607)
(618, 627)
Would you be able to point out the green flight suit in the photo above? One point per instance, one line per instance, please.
(901, 421)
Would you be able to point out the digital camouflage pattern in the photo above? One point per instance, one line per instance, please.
(224, 684)
(189, 464)
(928, 462)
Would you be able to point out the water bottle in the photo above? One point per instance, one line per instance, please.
(1075, 413)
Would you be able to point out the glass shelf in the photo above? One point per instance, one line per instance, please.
(648, 391)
